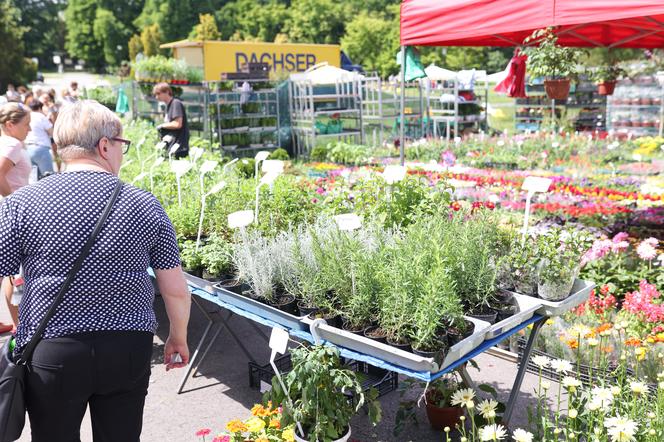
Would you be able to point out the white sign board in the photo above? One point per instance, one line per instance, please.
(240, 219)
(279, 340)
(261, 156)
(536, 184)
(217, 187)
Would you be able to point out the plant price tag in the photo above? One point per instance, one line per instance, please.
(240, 219)
(174, 148)
(536, 184)
(273, 166)
(180, 168)
(208, 166)
(393, 174)
(217, 187)
(348, 221)
(261, 156)
(279, 340)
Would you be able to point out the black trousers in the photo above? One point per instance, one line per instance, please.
(109, 371)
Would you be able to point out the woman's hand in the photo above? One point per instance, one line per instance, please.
(172, 348)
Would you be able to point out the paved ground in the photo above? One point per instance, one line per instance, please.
(220, 392)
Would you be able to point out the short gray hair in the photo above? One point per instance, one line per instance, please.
(81, 125)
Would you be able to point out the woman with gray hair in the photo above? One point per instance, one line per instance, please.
(97, 347)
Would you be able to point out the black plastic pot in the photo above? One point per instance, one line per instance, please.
(345, 326)
(401, 346)
(197, 271)
(455, 335)
(487, 314)
(306, 311)
(286, 303)
(438, 355)
(232, 285)
(376, 333)
(506, 311)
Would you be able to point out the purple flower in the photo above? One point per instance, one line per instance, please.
(622, 236)
(320, 191)
(314, 200)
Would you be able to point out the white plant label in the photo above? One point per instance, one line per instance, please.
(180, 168)
(168, 138)
(536, 184)
(208, 166)
(174, 148)
(279, 340)
(393, 174)
(262, 156)
(273, 166)
(195, 154)
(158, 162)
(139, 177)
(240, 219)
(160, 145)
(217, 187)
(348, 221)
(269, 178)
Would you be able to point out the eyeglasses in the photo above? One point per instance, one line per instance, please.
(126, 143)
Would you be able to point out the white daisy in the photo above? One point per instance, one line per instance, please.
(522, 436)
(561, 365)
(464, 398)
(571, 383)
(487, 408)
(638, 388)
(541, 361)
(620, 429)
(492, 433)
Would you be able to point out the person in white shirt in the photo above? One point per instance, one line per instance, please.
(38, 141)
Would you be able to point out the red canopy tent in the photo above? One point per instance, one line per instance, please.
(580, 23)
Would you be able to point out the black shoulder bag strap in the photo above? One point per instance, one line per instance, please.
(25, 356)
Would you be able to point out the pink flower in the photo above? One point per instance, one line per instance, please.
(646, 251)
(619, 246)
(224, 438)
(652, 241)
(622, 236)
(203, 432)
(320, 191)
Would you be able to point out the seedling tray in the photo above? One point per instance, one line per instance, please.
(250, 305)
(398, 357)
(580, 293)
(526, 306)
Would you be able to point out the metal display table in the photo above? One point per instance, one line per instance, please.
(207, 293)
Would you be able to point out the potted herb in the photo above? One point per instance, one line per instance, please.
(255, 266)
(557, 64)
(440, 411)
(190, 258)
(560, 253)
(606, 78)
(324, 396)
(216, 258)
(518, 269)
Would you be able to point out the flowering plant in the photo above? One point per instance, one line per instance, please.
(560, 253)
(265, 425)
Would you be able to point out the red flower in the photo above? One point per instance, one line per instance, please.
(203, 432)
(489, 205)
(455, 206)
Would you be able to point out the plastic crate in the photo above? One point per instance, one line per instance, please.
(382, 380)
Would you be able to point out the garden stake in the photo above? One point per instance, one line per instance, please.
(217, 187)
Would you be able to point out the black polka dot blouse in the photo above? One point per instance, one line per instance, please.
(43, 227)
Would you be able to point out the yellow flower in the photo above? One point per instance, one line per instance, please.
(262, 439)
(640, 353)
(254, 425)
(288, 435)
(236, 426)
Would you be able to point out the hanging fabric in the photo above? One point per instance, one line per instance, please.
(514, 85)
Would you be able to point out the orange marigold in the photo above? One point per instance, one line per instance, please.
(275, 423)
(633, 342)
(262, 439)
(608, 350)
(257, 410)
(573, 344)
(604, 327)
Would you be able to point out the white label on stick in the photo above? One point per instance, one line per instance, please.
(208, 166)
(348, 221)
(217, 187)
(273, 166)
(536, 184)
(180, 168)
(240, 219)
(279, 340)
(262, 155)
(393, 174)
(174, 148)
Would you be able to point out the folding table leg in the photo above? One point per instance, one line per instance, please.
(521, 373)
(465, 377)
(192, 359)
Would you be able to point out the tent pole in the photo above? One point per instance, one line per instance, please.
(402, 146)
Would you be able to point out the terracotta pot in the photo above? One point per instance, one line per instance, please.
(439, 418)
(557, 89)
(606, 87)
